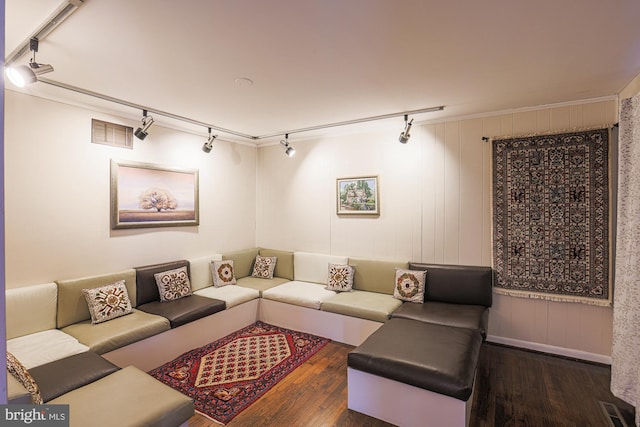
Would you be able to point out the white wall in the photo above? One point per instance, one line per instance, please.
(57, 197)
(435, 207)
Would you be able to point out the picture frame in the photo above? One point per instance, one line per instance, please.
(358, 196)
(145, 195)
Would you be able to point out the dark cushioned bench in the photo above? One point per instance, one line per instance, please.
(428, 352)
(178, 312)
(455, 295)
(439, 358)
(61, 376)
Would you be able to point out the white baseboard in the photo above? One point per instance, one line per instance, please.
(545, 348)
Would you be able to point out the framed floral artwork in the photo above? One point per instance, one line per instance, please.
(358, 196)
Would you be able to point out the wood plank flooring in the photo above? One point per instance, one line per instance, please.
(514, 388)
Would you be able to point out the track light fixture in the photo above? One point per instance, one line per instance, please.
(23, 75)
(405, 135)
(288, 150)
(141, 133)
(209, 144)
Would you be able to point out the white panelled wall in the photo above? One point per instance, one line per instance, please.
(435, 203)
(435, 206)
(57, 186)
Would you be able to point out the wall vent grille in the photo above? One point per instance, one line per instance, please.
(112, 134)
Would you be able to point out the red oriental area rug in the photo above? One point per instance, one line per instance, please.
(225, 377)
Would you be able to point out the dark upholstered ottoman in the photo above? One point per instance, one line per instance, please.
(441, 313)
(408, 361)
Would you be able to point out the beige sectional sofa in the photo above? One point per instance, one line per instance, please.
(296, 297)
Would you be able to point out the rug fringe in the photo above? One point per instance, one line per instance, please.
(552, 297)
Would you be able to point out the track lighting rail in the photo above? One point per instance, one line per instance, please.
(141, 107)
(229, 131)
(55, 19)
(355, 121)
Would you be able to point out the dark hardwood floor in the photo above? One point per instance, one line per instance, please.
(513, 388)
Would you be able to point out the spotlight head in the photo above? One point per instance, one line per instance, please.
(405, 135)
(209, 144)
(288, 149)
(147, 121)
(140, 134)
(23, 75)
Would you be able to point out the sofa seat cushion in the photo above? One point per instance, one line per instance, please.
(116, 333)
(438, 358)
(474, 317)
(184, 310)
(61, 376)
(304, 294)
(43, 347)
(362, 304)
(260, 285)
(128, 397)
(232, 295)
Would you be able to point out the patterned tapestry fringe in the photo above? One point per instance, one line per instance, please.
(551, 132)
(552, 297)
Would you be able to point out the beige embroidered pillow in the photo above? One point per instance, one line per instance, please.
(222, 273)
(108, 302)
(409, 285)
(20, 373)
(264, 267)
(173, 284)
(340, 278)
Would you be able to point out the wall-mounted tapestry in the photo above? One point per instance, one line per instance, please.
(551, 217)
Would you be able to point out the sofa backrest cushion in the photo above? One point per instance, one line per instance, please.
(31, 309)
(314, 268)
(242, 261)
(72, 305)
(201, 271)
(146, 285)
(375, 275)
(457, 284)
(284, 263)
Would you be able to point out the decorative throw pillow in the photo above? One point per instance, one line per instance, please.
(173, 284)
(20, 373)
(340, 278)
(264, 267)
(107, 302)
(222, 273)
(409, 285)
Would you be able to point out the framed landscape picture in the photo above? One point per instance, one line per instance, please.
(358, 196)
(145, 195)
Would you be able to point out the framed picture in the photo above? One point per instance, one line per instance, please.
(358, 196)
(145, 195)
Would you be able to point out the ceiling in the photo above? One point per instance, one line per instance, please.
(325, 61)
